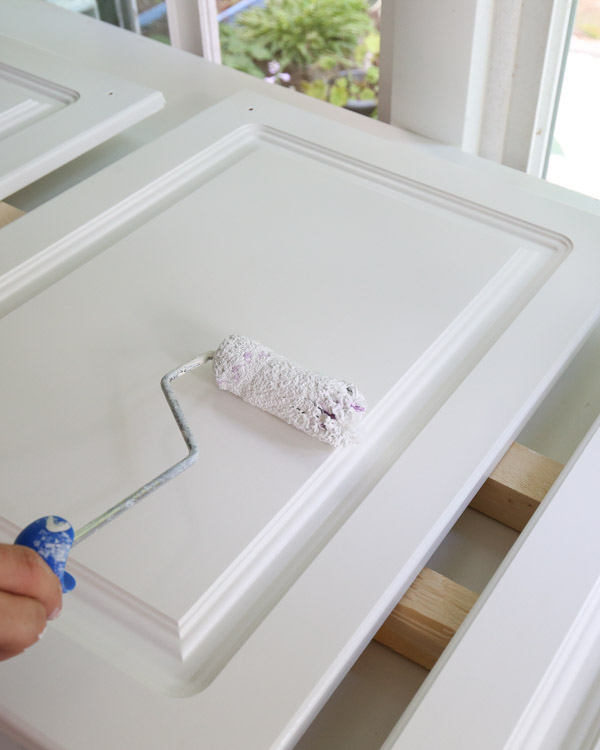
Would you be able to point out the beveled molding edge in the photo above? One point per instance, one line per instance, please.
(40, 269)
(113, 624)
(61, 94)
(525, 231)
(19, 114)
(182, 657)
(45, 265)
(172, 655)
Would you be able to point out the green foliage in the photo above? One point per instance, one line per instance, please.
(163, 38)
(368, 49)
(327, 62)
(240, 54)
(339, 92)
(297, 33)
(361, 84)
(317, 89)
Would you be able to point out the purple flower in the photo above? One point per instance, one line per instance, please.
(274, 67)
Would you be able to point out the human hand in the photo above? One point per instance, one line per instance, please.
(30, 594)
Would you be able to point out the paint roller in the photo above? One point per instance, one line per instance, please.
(322, 407)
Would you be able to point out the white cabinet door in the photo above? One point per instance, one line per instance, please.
(52, 111)
(221, 611)
(528, 661)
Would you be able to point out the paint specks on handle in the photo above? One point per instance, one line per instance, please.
(52, 538)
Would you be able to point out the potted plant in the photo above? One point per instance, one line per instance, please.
(356, 89)
(298, 33)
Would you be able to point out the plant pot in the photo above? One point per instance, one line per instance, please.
(361, 106)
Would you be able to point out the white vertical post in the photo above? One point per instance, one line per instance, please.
(433, 67)
(477, 74)
(193, 27)
(525, 81)
(209, 30)
(129, 12)
(560, 25)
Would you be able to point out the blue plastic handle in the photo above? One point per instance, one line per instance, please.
(52, 538)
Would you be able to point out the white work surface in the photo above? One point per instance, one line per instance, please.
(267, 694)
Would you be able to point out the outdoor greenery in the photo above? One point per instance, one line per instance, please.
(297, 33)
(327, 49)
(238, 53)
(361, 83)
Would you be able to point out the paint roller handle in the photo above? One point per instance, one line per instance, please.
(52, 538)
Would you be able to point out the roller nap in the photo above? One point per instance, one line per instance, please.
(320, 406)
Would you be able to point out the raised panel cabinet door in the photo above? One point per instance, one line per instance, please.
(52, 111)
(222, 610)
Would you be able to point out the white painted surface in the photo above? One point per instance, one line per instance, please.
(434, 60)
(315, 632)
(381, 684)
(312, 279)
(529, 652)
(52, 111)
(470, 286)
(479, 75)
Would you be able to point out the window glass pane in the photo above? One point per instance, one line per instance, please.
(575, 158)
(328, 49)
(152, 17)
(146, 16)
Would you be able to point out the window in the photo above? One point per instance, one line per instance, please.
(574, 161)
(328, 49)
(482, 75)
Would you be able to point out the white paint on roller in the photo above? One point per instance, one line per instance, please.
(318, 405)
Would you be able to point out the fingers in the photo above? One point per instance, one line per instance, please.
(24, 573)
(30, 593)
(22, 623)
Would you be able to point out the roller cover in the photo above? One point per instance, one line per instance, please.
(320, 406)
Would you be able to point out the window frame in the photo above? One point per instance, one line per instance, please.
(478, 74)
(193, 27)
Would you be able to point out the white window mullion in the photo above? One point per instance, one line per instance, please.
(555, 59)
(428, 70)
(518, 131)
(209, 30)
(193, 27)
(478, 74)
(129, 12)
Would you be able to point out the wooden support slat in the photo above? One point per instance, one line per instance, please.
(428, 615)
(516, 487)
(8, 213)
